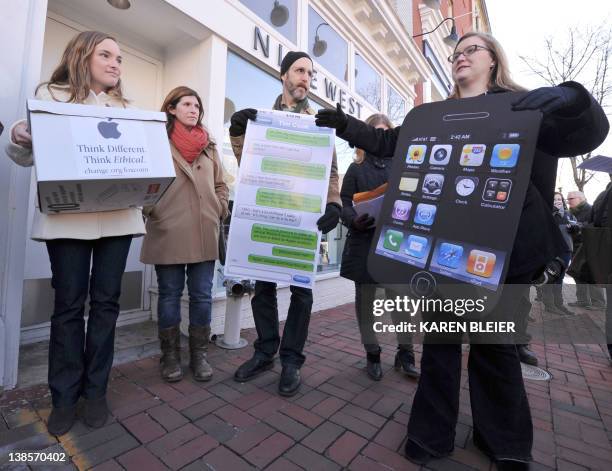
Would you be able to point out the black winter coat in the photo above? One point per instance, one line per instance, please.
(582, 213)
(599, 213)
(538, 239)
(366, 176)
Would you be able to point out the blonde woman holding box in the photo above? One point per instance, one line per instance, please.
(87, 251)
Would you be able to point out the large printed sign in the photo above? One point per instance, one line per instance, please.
(281, 192)
(452, 207)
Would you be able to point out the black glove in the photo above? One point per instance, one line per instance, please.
(239, 120)
(362, 223)
(573, 228)
(552, 272)
(336, 119)
(330, 219)
(550, 100)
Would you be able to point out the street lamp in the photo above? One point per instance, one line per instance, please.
(279, 14)
(320, 45)
(452, 38)
(120, 4)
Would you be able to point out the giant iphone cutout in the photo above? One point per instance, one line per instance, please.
(450, 213)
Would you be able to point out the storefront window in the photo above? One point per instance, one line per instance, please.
(396, 106)
(326, 46)
(259, 91)
(367, 82)
(280, 14)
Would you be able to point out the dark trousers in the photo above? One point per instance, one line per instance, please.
(500, 410)
(80, 364)
(608, 322)
(265, 314)
(365, 293)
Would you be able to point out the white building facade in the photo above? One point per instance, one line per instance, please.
(230, 52)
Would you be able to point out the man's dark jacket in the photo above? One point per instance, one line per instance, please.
(538, 239)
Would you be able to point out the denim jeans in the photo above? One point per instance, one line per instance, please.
(80, 364)
(265, 314)
(500, 409)
(171, 283)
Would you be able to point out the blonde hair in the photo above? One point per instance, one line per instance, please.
(73, 69)
(500, 74)
(373, 120)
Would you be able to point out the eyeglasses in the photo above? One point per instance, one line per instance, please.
(468, 51)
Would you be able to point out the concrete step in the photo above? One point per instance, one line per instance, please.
(132, 342)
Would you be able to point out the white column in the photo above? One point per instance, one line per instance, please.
(214, 67)
(22, 26)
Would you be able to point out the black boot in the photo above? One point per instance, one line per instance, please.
(198, 347)
(290, 381)
(404, 360)
(95, 412)
(527, 356)
(373, 366)
(416, 454)
(170, 361)
(252, 368)
(511, 465)
(61, 420)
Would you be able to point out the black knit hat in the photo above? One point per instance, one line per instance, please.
(290, 58)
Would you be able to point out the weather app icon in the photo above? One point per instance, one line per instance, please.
(449, 255)
(425, 214)
(416, 154)
(505, 155)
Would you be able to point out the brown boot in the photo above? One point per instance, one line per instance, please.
(170, 361)
(198, 346)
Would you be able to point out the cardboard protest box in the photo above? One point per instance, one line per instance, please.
(92, 158)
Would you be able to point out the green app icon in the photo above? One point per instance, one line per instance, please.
(393, 240)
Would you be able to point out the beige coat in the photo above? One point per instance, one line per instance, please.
(85, 226)
(183, 227)
(333, 192)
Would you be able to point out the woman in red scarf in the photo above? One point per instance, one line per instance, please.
(182, 235)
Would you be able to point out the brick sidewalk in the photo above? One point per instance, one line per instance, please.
(340, 419)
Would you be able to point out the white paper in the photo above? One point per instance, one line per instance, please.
(281, 192)
(371, 208)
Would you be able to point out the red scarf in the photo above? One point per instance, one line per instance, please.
(190, 144)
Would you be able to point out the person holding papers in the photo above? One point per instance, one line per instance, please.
(367, 173)
(296, 75)
(182, 235)
(573, 123)
(87, 251)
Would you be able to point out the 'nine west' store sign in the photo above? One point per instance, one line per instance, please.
(327, 89)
